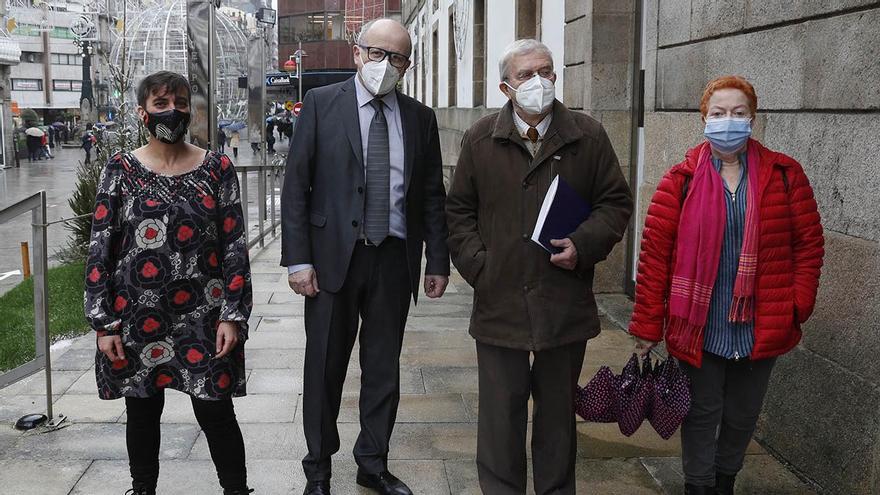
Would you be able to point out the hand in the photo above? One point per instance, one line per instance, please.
(568, 258)
(304, 282)
(111, 346)
(643, 347)
(227, 338)
(435, 285)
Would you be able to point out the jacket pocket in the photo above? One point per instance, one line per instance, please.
(483, 274)
(317, 220)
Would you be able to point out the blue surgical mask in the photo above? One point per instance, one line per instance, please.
(728, 134)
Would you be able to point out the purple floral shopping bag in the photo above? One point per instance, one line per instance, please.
(597, 401)
(636, 394)
(671, 398)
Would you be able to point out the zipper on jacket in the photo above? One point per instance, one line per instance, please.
(736, 356)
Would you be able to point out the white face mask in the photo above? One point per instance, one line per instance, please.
(535, 95)
(379, 77)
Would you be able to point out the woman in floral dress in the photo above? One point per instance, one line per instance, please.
(168, 286)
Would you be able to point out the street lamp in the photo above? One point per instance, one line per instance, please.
(87, 97)
(298, 55)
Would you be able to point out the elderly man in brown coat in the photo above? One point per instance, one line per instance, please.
(533, 312)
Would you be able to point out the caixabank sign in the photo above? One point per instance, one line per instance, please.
(279, 79)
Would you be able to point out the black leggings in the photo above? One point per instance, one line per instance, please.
(217, 420)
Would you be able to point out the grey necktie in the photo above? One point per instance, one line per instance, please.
(378, 178)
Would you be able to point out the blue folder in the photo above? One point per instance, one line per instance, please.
(561, 213)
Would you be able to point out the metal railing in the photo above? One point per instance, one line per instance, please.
(36, 205)
(268, 181)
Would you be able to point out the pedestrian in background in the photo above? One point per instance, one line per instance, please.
(44, 145)
(270, 138)
(88, 140)
(168, 286)
(234, 141)
(221, 140)
(728, 272)
(533, 312)
(33, 147)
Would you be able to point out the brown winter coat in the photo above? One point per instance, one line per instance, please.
(521, 300)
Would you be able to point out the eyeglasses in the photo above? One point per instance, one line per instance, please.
(526, 75)
(376, 54)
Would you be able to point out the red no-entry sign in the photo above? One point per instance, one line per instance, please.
(297, 108)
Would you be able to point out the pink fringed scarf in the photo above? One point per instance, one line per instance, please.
(698, 252)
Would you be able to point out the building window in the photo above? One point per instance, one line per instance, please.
(526, 19)
(32, 57)
(479, 55)
(27, 85)
(335, 27)
(66, 85)
(66, 59)
(453, 65)
(424, 93)
(434, 67)
(35, 30)
(311, 27)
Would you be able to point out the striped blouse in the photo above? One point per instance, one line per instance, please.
(722, 337)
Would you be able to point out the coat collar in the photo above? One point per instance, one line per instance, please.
(563, 124)
(562, 131)
(767, 157)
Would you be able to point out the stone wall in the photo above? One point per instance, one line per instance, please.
(815, 68)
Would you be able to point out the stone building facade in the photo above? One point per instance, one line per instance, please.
(640, 67)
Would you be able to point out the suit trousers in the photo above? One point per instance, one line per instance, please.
(726, 399)
(506, 378)
(377, 292)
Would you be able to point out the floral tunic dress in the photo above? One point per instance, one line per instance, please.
(167, 262)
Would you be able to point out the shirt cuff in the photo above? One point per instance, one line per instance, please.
(298, 268)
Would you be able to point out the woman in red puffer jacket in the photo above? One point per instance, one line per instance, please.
(728, 271)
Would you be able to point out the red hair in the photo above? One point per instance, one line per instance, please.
(729, 82)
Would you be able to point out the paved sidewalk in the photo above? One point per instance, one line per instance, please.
(433, 445)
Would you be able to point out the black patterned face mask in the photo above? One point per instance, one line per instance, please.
(168, 126)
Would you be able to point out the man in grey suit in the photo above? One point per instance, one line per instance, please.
(363, 195)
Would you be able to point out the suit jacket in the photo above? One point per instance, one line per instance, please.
(323, 197)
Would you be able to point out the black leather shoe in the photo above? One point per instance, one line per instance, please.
(317, 488)
(724, 483)
(698, 490)
(384, 483)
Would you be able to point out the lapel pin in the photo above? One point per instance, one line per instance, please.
(557, 157)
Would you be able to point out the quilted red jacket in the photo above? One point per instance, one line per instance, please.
(791, 247)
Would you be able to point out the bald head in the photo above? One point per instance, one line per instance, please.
(386, 34)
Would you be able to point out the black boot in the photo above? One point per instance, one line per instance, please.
(724, 483)
(698, 490)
